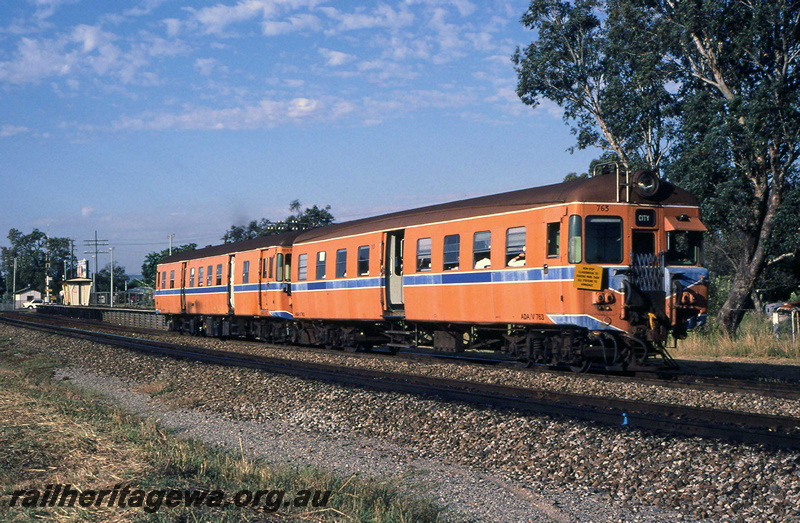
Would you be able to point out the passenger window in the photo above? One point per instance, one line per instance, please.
(482, 250)
(302, 267)
(341, 263)
(171, 279)
(452, 252)
(219, 274)
(287, 267)
(164, 280)
(603, 239)
(575, 247)
(363, 260)
(200, 277)
(271, 265)
(553, 240)
(321, 265)
(279, 268)
(515, 247)
(246, 272)
(424, 254)
(191, 277)
(264, 268)
(208, 277)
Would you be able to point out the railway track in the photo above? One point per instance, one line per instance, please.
(648, 377)
(744, 427)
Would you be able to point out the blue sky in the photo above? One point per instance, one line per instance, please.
(145, 119)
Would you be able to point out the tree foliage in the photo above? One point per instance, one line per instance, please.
(740, 92)
(103, 278)
(151, 261)
(298, 220)
(706, 89)
(605, 72)
(30, 250)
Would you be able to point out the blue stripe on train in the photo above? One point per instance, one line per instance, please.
(466, 278)
(581, 320)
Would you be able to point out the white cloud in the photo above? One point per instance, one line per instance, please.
(464, 7)
(46, 8)
(173, 26)
(295, 23)
(206, 66)
(90, 37)
(401, 102)
(87, 211)
(216, 19)
(267, 113)
(12, 130)
(335, 58)
(382, 16)
(36, 60)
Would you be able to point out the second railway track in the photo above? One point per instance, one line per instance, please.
(686, 379)
(779, 431)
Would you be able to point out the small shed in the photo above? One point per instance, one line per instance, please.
(77, 291)
(25, 295)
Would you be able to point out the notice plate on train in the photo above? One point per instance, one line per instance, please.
(589, 277)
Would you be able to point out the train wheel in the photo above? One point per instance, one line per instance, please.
(582, 367)
(524, 364)
(353, 348)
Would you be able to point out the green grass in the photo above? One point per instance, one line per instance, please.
(754, 340)
(52, 432)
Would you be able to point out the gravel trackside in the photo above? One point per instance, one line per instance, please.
(483, 464)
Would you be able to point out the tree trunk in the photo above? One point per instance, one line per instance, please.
(732, 312)
(753, 260)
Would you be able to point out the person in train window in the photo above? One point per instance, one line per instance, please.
(483, 263)
(518, 260)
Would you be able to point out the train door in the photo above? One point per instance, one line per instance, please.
(393, 269)
(183, 287)
(647, 264)
(274, 297)
(263, 282)
(231, 293)
(555, 283)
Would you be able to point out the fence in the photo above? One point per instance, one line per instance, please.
(781, 317)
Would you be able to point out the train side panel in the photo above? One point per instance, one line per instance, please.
(347, 286)
(489, 282)
(207, 286)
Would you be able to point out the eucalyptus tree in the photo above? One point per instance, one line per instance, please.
(601, 63)
(706, 89)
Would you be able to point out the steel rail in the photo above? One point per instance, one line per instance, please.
(778, 431)
(657, 378)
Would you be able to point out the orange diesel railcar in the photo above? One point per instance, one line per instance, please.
(229, 290)
(598, 270)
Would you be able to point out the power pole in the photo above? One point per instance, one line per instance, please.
(111, 250)
(47, 277)
(14, 288)
(72, 259)
(170, 243)
(96, 244)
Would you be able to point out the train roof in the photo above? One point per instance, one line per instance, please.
(597, 189)
(262, 242)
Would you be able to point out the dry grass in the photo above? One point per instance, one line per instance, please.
(754, 340)
(154, 388)
(52, 433)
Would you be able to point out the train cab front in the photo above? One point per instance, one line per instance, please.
(659, 291)
(686, 281)
(665, 288)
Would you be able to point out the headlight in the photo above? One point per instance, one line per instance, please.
(645, 183)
